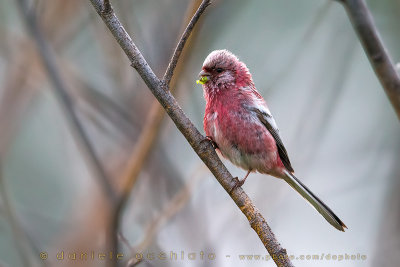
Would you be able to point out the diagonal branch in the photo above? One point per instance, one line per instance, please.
(378, 56)
(65, 100)
(181, 44)
(199, 144)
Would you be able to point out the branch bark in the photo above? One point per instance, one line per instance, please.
(363, 24)
(199, 144)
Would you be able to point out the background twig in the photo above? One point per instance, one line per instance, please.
(177, 203)
(60, 91)
(378, 56)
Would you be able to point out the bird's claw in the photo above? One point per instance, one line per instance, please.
(238, 183)
(209, 139)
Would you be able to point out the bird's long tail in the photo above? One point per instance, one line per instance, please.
(320, 206)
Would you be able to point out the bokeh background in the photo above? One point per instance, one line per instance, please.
(339, 128)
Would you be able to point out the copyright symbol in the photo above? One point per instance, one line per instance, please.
(43, 255)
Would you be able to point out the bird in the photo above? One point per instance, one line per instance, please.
(241, 127)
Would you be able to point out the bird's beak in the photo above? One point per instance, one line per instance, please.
(204, 77)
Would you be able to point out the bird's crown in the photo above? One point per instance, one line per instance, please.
(220, 57)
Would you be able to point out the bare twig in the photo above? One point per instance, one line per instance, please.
(176, 204)
(133, 262)
(135, 164)
(181, 44)
(200, 145)
(125, 241)
(365, 28)
(142, 149)
(61, 92)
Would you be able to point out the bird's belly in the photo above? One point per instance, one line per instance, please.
(249, 146)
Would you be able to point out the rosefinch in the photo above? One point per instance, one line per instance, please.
(239, 123)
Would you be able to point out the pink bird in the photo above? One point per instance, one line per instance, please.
(239, 123)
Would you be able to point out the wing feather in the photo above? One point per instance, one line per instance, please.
(270, 124)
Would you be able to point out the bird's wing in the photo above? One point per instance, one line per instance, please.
(266, 118)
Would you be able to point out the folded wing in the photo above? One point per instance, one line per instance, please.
(271, 126)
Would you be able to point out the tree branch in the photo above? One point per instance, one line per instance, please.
(367, 32)
(65, 100)
(181, 44)
(199, 144)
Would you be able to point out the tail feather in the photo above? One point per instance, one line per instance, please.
(320, 206)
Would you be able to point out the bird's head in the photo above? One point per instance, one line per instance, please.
(222, 70)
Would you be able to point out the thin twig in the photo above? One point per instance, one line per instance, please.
(378, 56)
(125, 241)
(133, 262)
(142, 150)
(61, 92)
(198, 142)
(181, 44)
(174, 205)
(139, 156)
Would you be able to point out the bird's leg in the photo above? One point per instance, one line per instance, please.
(209, 138)
(240, 182)
(244, 179)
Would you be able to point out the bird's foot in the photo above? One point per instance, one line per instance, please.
(209, 139)
(238, 183)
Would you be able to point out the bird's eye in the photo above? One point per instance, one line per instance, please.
(219, 70)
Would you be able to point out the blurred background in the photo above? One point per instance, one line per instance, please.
(339, 128)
